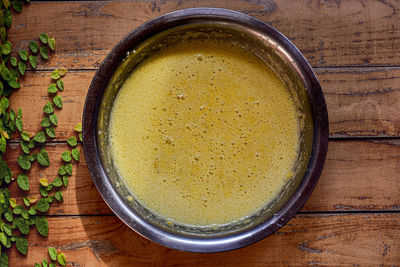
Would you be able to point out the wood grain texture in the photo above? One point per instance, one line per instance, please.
(307, 240)
(358, 176)
(329, 33)
(360, 101)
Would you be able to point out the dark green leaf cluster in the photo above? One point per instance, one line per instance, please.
(18, 217)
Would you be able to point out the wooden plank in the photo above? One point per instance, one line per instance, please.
(358, 176)
(329, 33)
(361, 102)
(317, 240)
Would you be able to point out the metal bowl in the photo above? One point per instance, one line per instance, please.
(245, 31)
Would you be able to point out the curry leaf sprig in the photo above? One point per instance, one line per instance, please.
(16, 219)
(31, 217)
(55, 256)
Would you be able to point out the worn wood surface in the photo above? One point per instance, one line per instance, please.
(316, 240)
(353, 216)
(329, 33)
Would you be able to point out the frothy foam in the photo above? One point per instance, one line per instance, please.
(204, 133)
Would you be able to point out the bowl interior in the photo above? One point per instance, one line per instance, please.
(262, 45)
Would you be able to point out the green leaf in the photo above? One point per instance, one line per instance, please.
(19, 124)
(60, 84)
(66, 156)
(42, 226)
(3, 34)
(3, 238)
(75, 154)
(31, 158)
(80, 137)
(32, 144)
(43, 37)
(57, 100)
(19, 113)
(43, 191)
(6, 50)
(17, 5)
(45, 263)
(78, 127)
(68, 168)
(12, 115)
(61, 259)
(42, 205)
(22, 67)
(38, 265)
(52, 89)
(22, 245)
(9, 216)
(62, 171)
(25, 136)
(48, 108)
(57, 182)
(40, 137)
(65, 181)
(59, 196)
(50, 199)
(55, 75)
(32, 211)
(43, 158)
(52, 264)
(72, 141)
(23, 54)
(17, 209)
(5, 73)
(26, 201)
(25, 214)
(53, 119)
(22, 225)
(23, 162)
(33, 61)
(45, 122)
(23, 182)
(8, 18)
(13, 83)
(52, 43)
(25, 147)
(3, 144)
(53, 253)
(44, 52)
(51, 132)
(33, 45)
(7, 229)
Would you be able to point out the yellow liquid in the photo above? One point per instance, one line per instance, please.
(204, 133)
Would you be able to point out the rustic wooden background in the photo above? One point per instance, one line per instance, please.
(353, 216)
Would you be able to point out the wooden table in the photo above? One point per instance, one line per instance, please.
(353, 216)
